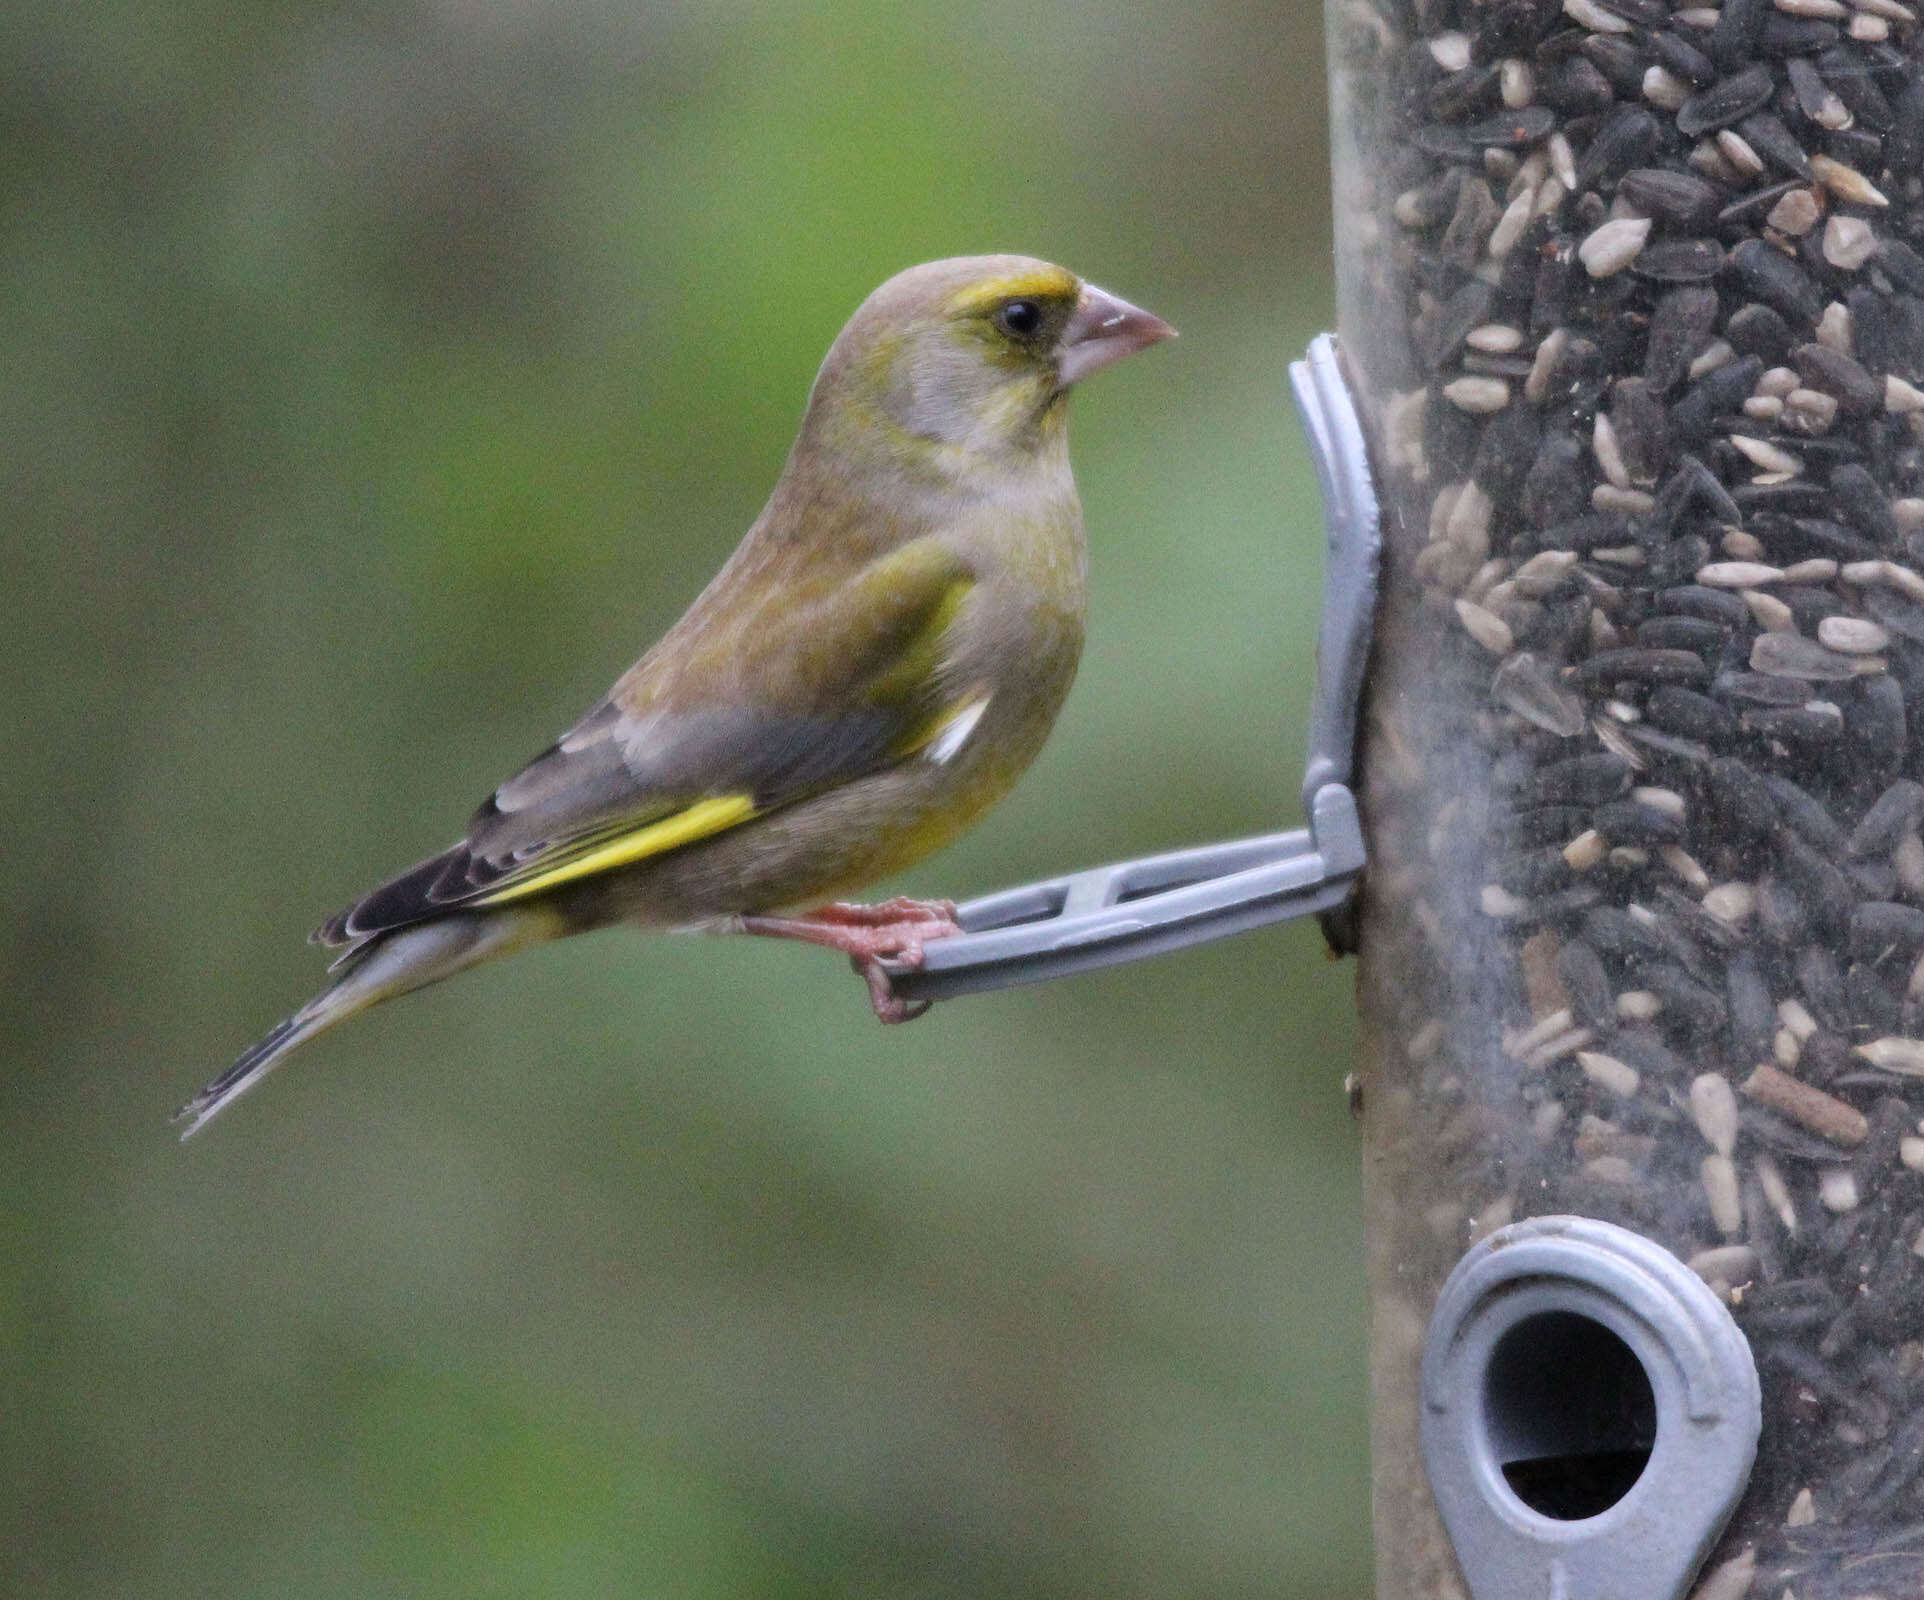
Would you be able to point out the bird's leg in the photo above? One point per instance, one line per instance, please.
(869, 935)
(886, 913)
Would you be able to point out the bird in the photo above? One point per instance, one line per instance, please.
(873, 668)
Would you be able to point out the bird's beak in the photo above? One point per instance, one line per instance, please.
(1102, 330)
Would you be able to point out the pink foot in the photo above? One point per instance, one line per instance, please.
(895, 930)
(888, 913)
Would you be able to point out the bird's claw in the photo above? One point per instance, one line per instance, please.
(899, 932)
(889, 1006)
(895, 930)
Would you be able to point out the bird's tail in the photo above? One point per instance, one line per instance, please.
(390, 964)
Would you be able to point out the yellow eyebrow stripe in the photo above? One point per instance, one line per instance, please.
(699, 821)
(1056, 285)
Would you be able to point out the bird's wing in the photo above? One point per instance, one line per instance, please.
(821, 687)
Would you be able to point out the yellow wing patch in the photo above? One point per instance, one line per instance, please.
(920, 655)
(698, 821)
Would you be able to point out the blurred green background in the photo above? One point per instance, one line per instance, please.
(375, 380)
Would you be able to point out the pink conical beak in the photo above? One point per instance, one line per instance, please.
(1101, 331)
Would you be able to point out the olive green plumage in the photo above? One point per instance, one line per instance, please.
(873, 668)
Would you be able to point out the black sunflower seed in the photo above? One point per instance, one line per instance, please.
(1777, 281)
(1817, 880)
(1464, 93)
(1904, 145)
(1576, 88)
(1549, 824)
(1743, 802)
(1713, 605)
(1553, 489)
(1793, 499)
(1680, 327)
(1512, 130)
(1513, 29)
(1631, 822)
(1848, 77)
(1644, 666)
(1683, 58)
(1759, 689)
(1855, 147)
(1555, 288)
(1898, 615)
(1589, 779)
(1622, 63)
(1821, 982)
(1642, 426)
(1716, 395)
(1725, 101)
(1877, 721)
(1587, 984)
(1781, 913)
(1758, 330)
(1785, 35)
(1883, 930)
(1734, 38)
(1878, 332)
(1809, 538)
(1534, 872)
(1807, 814)
(1467, 309)
(1627, 136)
(1856, 391)
(1862, 502)
(1905, 266)
(1691, 715)
(1809, 729)
(1679, 199)
(1753, 1016)
(1773, 141)
(1683, 633)
(1680, 261)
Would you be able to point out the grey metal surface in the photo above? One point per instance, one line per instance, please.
(1145, 908)
(1134, 909)
(1353, 529)
(1703, 1380)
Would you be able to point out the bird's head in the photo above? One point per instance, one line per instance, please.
(975, 354)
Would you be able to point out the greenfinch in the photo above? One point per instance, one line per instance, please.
(873, 668)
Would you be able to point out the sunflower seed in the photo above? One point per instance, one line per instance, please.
(1847, 183)
(1725, 101)
(1796, 214)
(1852, 635)
(1613, 246)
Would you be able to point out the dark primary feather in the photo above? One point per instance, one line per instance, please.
(771, 761)
(262, 1049)
(646, 753)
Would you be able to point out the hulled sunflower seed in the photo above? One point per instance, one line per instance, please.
(1613, 246)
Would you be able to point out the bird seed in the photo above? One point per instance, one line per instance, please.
(1633, 301)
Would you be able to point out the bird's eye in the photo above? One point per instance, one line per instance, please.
(1019, 318)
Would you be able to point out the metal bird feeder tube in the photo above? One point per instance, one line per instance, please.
(1631, 303)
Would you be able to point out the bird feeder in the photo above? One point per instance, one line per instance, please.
(1631, 382)
(1632, 310)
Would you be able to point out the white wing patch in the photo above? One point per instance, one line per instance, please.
(947, 744)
